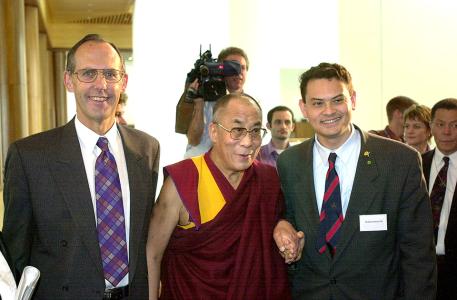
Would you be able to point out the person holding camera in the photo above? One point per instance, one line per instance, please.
(196, 129)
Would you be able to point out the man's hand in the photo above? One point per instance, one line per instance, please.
(290, 242)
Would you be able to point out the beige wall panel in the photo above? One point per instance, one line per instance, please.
(17, 76)
(33, 70)
(64, 36)
(47, 88)
(60, 92)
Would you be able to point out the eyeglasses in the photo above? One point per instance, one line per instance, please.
(90, 75)
(237, 133)
(442, 125)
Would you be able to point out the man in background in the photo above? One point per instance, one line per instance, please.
(197, 128)
(395, 108)
(281, 123)
(440, 171)
(71, 208)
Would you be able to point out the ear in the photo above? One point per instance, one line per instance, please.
(293, 125)
(353, 100)
(212, 132)
(268, 126)
(125, 79)
(303, 109)
(67, 80)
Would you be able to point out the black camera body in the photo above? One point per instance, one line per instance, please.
(210, 75)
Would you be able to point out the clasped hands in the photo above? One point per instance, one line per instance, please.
(290, 242)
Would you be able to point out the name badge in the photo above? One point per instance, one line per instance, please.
(373, 222)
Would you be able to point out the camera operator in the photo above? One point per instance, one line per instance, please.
(197, 131)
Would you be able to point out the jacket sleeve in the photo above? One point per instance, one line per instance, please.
(17, 221)
(415, 234)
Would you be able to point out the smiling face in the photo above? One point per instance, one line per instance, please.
(96, 101)
(235, 83)
(234, 156)
(328, 107)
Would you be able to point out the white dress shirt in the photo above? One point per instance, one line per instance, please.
(345, 165)
(437, 164)
(90, 151)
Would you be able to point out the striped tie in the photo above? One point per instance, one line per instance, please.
(331, 216)
(437, 195)
(110, 216)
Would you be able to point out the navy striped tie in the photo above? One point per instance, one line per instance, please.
(331, 217)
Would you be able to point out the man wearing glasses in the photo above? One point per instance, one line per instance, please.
(71, 208)
(440, 171)
(210, 235)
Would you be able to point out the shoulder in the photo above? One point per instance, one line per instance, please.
(298, 150)
(428, 156)
(389, 152)
(46, 139)
(139, 138)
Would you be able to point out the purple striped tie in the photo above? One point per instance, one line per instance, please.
(331, 217)
(110, 216)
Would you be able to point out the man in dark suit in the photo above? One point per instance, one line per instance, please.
(444, 203)
(63, 185)
(360, 200)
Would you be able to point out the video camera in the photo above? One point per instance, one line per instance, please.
(210, 74)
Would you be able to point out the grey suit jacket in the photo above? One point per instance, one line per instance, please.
(397, 263)
(49, 218)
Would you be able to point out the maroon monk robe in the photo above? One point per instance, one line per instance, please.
(234, 255)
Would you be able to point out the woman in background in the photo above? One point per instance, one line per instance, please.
(416, 124)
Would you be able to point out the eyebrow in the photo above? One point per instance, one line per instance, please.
(238, 122)
(333, 98)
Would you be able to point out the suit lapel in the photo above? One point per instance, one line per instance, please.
(138, 197)
(70, 176)
(305, 186)
(363, 192)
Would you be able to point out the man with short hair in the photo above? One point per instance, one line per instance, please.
(395, 108)
(360, 200)
(197, 132)
(440, 171)
(281, 124)
(78, 198)
(210, 234)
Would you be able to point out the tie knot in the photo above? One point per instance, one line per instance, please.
(102, 143)
(332, 157)
(446, 160)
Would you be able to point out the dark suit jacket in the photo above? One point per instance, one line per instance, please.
(450, 240)
(49, 217)
(399, 262)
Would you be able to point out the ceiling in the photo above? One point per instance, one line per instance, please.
(66, 21)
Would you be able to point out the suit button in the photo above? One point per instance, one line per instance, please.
(65, 288)
(333, 281)
(63, 243)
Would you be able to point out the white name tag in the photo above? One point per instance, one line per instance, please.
(373, 222)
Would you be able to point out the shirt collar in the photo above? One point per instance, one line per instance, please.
(439, 156)
(88, 138)
(344, 151)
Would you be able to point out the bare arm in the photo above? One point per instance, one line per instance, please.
(290, 242)
(165, 217)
